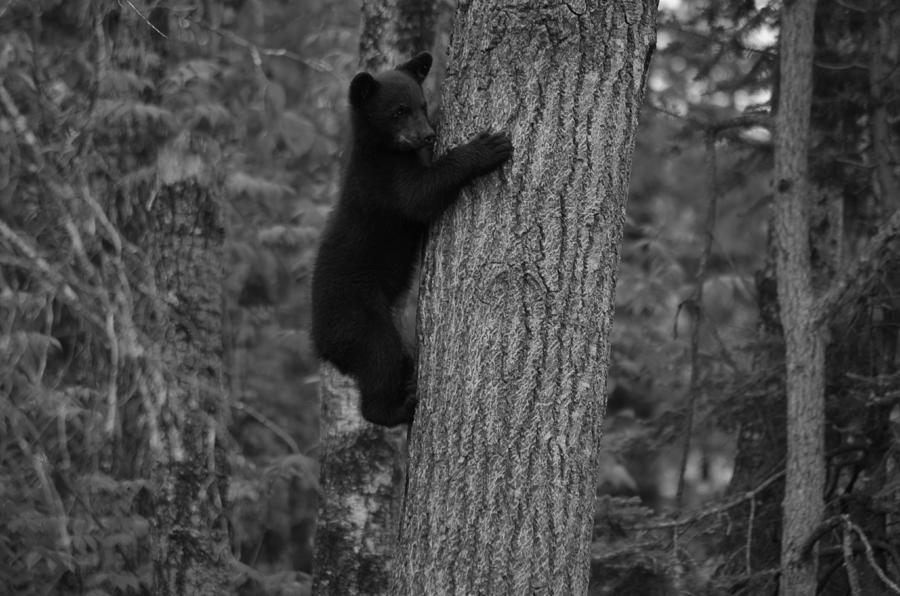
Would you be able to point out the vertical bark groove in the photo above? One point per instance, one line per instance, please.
(516, 300)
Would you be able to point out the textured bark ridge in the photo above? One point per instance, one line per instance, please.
(517, 299)
(804, 506)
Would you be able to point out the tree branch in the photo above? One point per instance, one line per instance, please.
(696, 310)
(850, 285)
(266, 422)
(750, 494)
(256, 51)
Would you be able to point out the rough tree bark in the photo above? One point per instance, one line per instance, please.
(517, 299)
(191, 548)
(362, 470)
(363, 467)
(186, 400)
(395, 30)
(803, 507)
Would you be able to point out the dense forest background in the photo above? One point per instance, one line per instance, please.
(109, 112)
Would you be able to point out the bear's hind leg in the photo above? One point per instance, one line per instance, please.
(385, 377)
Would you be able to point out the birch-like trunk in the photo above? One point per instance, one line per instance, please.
(803, 507)
(517, 299)
(362, 467)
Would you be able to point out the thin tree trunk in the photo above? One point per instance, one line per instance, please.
(881, 26)
(755, 527)
(805, 351)
(517, 299)
(395, 30)
(191, 543)
(187, 403)
(363, 467)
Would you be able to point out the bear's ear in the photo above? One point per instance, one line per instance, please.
(418, 67)
(362, 87)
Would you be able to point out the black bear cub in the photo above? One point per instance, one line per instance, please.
(391, 192)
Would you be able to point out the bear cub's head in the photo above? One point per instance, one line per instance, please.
(390, 106)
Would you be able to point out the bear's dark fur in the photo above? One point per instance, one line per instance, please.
(391, 192)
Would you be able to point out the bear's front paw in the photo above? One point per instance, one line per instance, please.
(494, 148)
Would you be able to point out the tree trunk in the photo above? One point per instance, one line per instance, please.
(362, 484)
(805, 352)
(363, 467)
(185, 397)
(881, 24)
(191, 547)
(395, 30)
(517, 299)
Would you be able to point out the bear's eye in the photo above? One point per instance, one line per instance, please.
(400, 112)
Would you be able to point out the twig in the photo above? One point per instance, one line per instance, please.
(849, 526)
(257, 51)
(723, 349)
(714, 510)
(112, 392)
(697, 310)
(870, 554)
(840, 65)
(146, 20)
(675, 26)
(262, 419)
(847, 550)
(749, 120)
(750, 520)
(19, 124)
